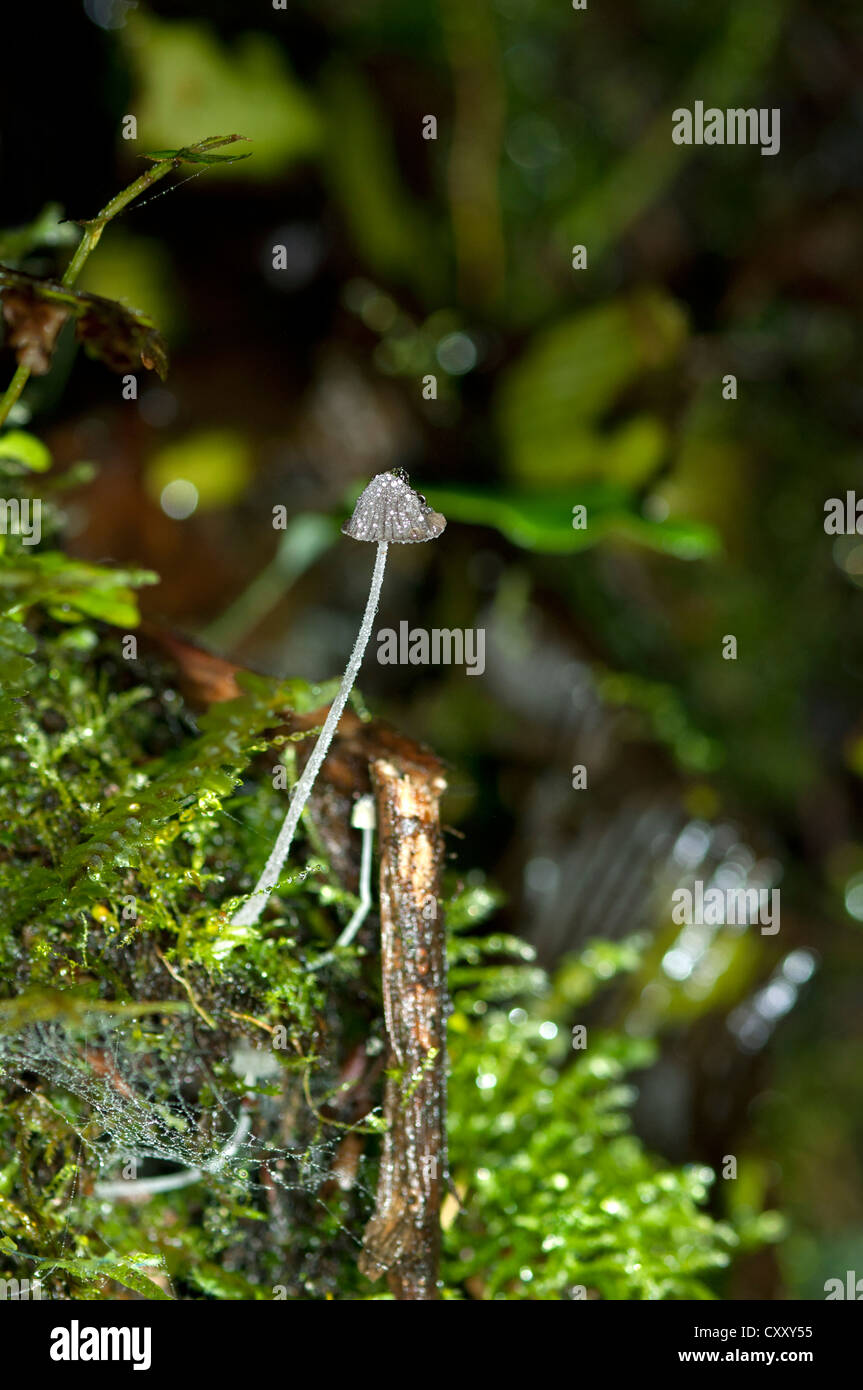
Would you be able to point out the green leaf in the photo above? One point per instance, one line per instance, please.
(247, 85)
(71, 587)
(550, 403)
(17, 446)
(542, 521)
(96, 1271)
(200, 153)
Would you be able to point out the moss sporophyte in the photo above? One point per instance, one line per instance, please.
(387, 512)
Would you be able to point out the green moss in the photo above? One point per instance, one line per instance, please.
(560, 1199)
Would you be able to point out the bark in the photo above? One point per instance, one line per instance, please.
(403, 1236)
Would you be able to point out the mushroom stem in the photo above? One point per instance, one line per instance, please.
(251, 910)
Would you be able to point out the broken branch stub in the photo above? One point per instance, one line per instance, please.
(403, 1237)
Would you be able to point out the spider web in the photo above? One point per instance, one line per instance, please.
(152, 1115)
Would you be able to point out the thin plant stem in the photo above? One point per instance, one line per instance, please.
(16, 386)
(251, 910)
(93, 229)
(88, 243)
(365, 902)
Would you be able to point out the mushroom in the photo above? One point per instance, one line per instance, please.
(387, 511)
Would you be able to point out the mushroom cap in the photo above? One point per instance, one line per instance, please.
(389, 510)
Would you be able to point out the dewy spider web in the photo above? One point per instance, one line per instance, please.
(145, 1092)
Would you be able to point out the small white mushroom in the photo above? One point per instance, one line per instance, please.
(387, 511)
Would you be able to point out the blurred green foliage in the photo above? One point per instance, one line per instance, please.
(190, 83)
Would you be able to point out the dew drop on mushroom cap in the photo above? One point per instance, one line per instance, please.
(389, 510)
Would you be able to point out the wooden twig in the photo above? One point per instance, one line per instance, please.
(403, 1237)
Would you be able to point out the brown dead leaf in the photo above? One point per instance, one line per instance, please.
(33, 328)
(35, 310)
(121, 338)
